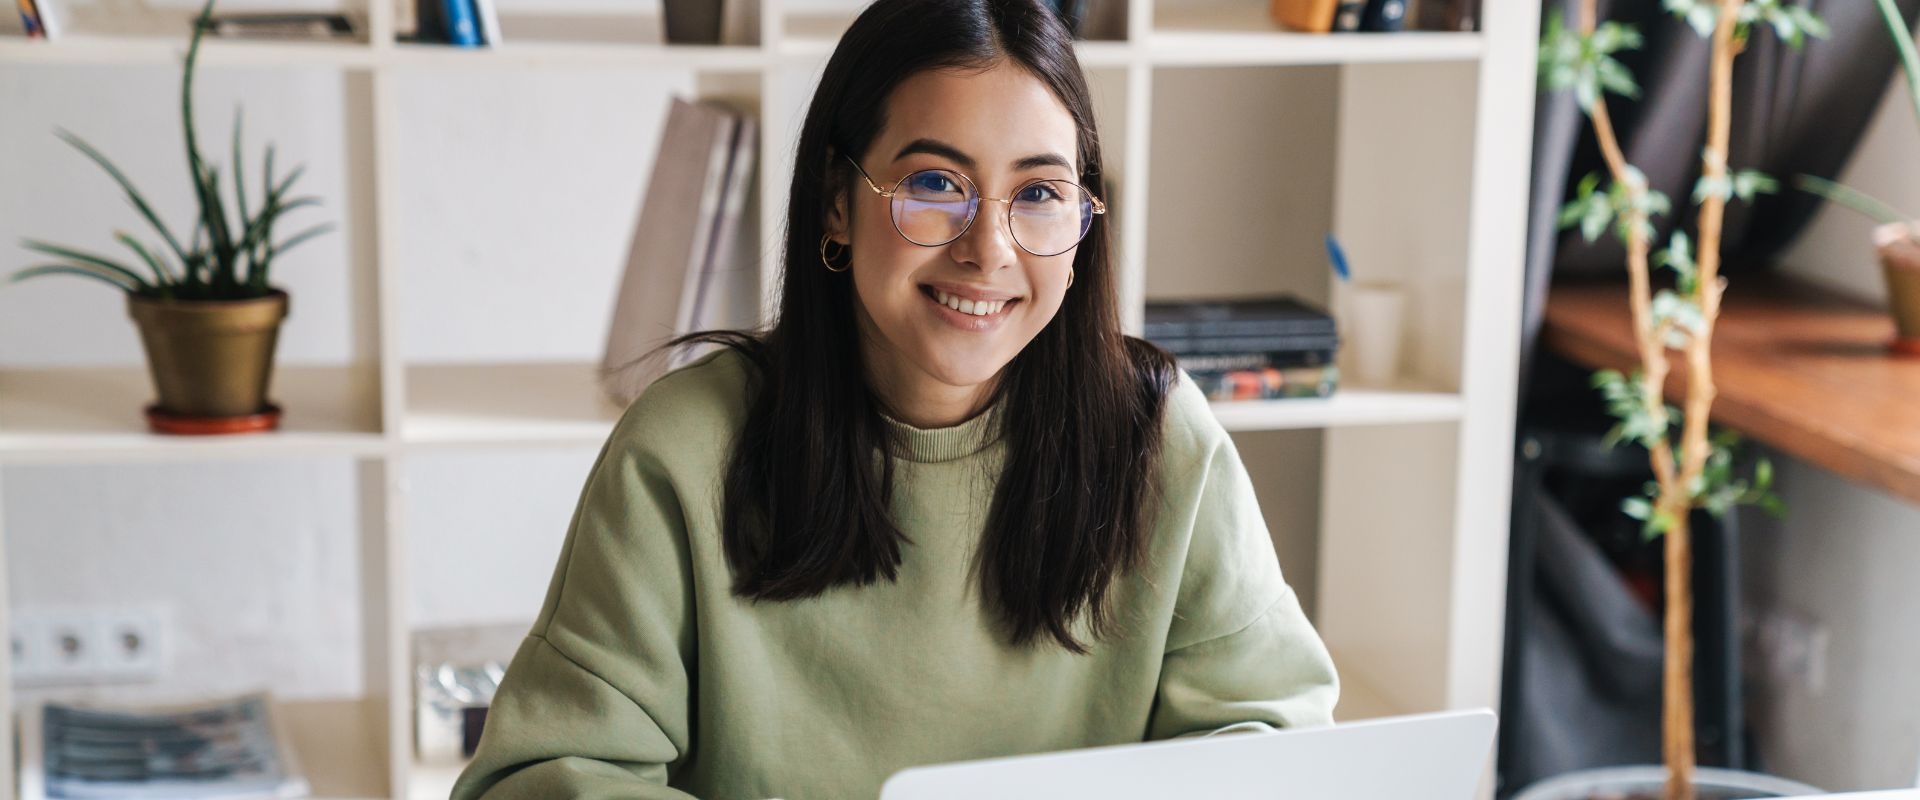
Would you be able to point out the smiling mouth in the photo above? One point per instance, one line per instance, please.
(984, 308)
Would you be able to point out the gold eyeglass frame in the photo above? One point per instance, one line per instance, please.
(1099, 206)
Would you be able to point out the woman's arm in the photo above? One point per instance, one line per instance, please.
(595, 703)
(1240, 652)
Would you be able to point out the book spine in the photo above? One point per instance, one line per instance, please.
(1227, 362)
(1385, 16)
(48, 14)
(1271, 383)
(462, 29)
(488, 13)
(1348, 15)
(1243, 327)
(1218, 345)
(30, 19)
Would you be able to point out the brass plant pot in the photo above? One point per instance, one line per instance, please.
(1900, 260)
(210, 359)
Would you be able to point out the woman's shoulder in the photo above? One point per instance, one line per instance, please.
(699, 403)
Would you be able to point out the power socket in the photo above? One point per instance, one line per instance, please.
(88, 645)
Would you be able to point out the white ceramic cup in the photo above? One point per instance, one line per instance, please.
(1372, 330)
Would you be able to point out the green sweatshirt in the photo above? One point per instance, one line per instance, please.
(644, 677)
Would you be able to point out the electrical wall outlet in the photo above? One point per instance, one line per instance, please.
(88, 645)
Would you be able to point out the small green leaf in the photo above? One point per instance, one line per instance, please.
(1702, 18)
(72, 269)
(88, 259)
(133, 195)
(1595, 220)
(1661, 522)
(302, 237)
(1637, 507)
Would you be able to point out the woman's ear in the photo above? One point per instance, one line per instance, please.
(837, 224)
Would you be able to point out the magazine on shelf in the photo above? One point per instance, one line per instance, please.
(686, 219)
(229, 748)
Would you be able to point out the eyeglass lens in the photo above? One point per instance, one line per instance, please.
(933, 207)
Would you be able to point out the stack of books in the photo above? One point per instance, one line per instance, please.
(691, 265)
(1259, 348)
(41, 19)
(229, 747)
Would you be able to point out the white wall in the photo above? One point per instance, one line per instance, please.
(1847, 555)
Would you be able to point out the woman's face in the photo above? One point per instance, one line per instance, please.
(984, 125)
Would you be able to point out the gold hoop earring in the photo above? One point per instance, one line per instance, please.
(1069, 277)
(824, 239)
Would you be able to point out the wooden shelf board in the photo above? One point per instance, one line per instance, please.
(525, 403)
(580, 39)
(122, 49)
(1797, 368)
(517, 54)
(94, 414)
(1346, 407)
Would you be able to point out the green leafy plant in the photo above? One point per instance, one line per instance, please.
(1910, 64)
(1692, 468)
(228, 255)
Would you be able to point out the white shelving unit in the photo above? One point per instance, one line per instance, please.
(1412, 148)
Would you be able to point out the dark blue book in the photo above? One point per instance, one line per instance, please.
(1224, 345)
(1385, 16)
(463, 25)
(1275, 316)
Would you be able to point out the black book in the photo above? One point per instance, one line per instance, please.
(1385, 16)
(1348, 15)
(1226, 345)
(1278, 316)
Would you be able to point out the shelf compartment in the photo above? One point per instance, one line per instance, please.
(557, 403)
(94, 414)
(1242, 34)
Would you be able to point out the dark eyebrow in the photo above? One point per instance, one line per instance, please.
(947, 151)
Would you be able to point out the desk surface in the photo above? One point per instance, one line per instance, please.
(1802, 370)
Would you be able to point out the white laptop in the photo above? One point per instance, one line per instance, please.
(1428, 756)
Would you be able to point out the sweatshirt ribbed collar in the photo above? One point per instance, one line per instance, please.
(933, 445)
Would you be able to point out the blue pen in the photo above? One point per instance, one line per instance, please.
(1339, 258)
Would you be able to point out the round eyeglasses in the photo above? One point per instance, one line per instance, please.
(933, 207)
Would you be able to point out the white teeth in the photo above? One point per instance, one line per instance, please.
(980, 308)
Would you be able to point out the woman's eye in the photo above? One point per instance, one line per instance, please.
(934, 182)
(1038, 193)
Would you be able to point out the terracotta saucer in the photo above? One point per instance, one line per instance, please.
(162, 422)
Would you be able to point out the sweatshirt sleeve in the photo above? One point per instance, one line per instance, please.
(595, 702)
(1241, 655)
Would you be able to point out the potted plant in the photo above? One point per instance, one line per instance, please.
(207, 315)
(1897, 238)
(1691, 468)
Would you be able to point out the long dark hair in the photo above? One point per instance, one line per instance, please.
(1082, 403)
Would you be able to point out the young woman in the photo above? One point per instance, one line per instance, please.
(941, 510)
